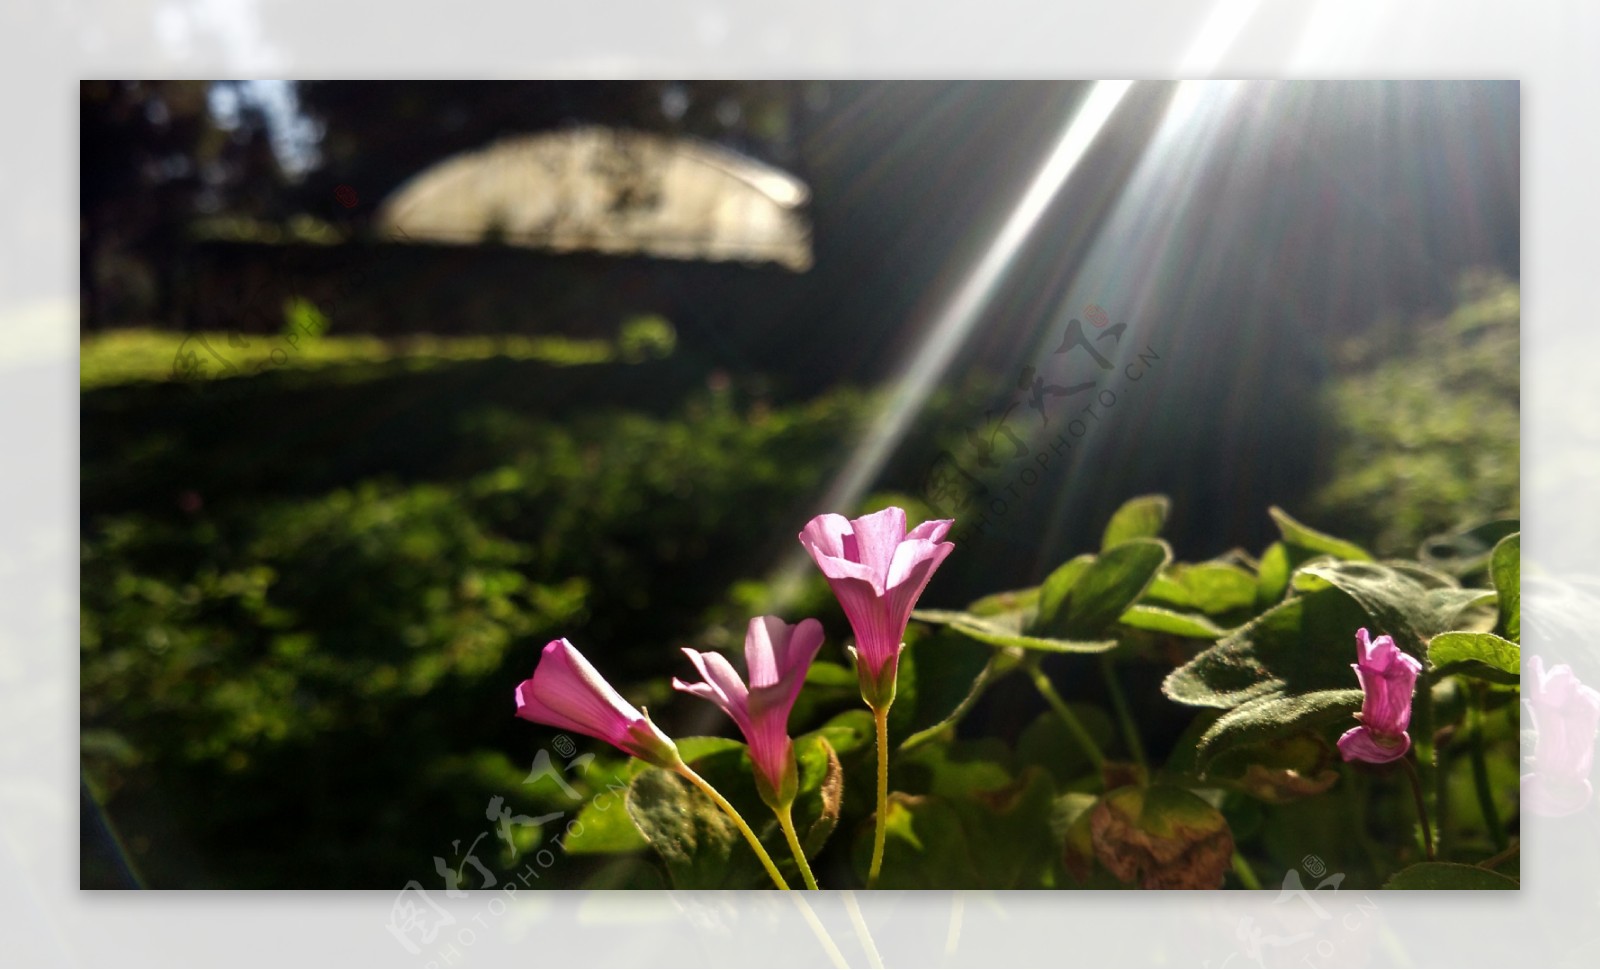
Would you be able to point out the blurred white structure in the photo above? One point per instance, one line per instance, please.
(609, 191)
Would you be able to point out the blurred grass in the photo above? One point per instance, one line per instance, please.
(133, 356)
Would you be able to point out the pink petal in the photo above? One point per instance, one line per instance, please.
(1359, 744)
(567, 692)
(722, 686)
(877, 536)
(824, 535)
(932, 530)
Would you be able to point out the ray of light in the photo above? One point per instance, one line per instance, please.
(956, 319)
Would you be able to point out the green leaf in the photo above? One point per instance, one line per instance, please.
(1466, 551)
(1448, 875)
(694, 749)
(1048, 743)
(1409, 603)
(1112, 582)
(1159, 620)
(1057, 586)
(846, 731)
(1138, 518)
(1214, 588)
(1481, 655)
(1277, 716)
(1304, 644)
(1001, 631)
(1505, 568)
(1273, 575)
(825, 674)
(961, 670)
(603, 826)
(996, 838)
(821, 795)
(700, 846)
(1310, 542)
(1014, 601)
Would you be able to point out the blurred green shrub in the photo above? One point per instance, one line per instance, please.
(645, 337)
(1426, 422)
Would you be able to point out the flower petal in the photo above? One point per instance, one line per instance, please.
(1361, 744)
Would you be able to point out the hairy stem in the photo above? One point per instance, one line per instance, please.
(880, 831)
(733, 813)
(786, 822)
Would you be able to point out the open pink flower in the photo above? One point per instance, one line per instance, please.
(778, 656)
(566, 692)
(1388, 675)
(1566, 715)
(877, 570)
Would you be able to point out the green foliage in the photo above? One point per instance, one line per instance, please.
(1426, 420)
(364, 637)
(1448, 875)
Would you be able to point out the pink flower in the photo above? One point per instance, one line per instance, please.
(1388, 675)
(1566, 715)
(778, 656)
(566, 692)
(877, 570)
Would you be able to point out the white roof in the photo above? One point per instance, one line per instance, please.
(610, 191)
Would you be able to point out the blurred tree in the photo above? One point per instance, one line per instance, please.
(152, 157)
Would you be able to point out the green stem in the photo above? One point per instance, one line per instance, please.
(1480, 773)
(1247, 875)
(733, 813)
(1430, 762)
(1124, 714)
(880, 830)
(1047, 690)
(1422, 807)
(786, 822)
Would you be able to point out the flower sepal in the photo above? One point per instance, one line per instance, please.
(780, 799)
(651, 745)
(878, 691)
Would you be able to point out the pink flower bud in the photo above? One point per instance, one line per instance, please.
(1388, 675)
(566, 692)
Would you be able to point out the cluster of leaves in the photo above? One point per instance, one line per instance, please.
(1265, 648)
(242, 639)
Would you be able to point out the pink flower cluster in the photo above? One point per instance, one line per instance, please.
(877, 570)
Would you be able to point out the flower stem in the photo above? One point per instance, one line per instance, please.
(1480, 773)
(786, 822)
(1422, 808)
(1047, 690)
(880, 831)
(1247, 875)
(1124, 713)
(733, 813)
